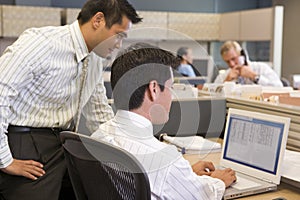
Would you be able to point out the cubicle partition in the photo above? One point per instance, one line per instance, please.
(204, 116)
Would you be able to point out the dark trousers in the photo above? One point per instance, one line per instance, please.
(42, 145)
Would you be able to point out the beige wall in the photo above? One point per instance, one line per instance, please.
(291, 37)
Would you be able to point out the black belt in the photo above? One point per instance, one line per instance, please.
(20, 129)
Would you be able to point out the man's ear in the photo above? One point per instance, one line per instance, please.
(98, 20)
(153, 90)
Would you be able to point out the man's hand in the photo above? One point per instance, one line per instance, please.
(233, 74)
(203, 168)
(27, 168)
(227, 176)
(247, 72)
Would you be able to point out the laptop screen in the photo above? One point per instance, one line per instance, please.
(254, 141)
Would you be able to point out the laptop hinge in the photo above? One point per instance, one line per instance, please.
(263, 179)
(267, 180)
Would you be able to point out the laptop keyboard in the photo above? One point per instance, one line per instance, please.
(242, 183)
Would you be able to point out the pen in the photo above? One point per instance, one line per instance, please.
(181, 149)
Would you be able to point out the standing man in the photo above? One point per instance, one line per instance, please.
(242, 71)
(142, 101)
(41, 76)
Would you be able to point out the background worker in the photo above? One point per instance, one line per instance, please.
(186, 67)
(243, 71)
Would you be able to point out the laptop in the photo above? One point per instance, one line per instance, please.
(254, 145)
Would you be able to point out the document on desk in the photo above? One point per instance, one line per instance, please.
(291, 165)
(193, 144)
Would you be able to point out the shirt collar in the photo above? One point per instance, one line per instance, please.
(81, 49)
(139, 125)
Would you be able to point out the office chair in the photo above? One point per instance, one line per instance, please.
(99, 170)
(285, 82)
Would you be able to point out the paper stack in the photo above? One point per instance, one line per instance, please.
(193, 144)
(291, 165)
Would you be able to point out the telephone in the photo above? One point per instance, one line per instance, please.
(243, 59)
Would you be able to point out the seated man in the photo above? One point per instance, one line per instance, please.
(242, 71)
(141, 78)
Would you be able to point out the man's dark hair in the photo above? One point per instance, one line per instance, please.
(133, 70)
(113, 11)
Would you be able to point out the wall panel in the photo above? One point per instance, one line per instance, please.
(16, 19)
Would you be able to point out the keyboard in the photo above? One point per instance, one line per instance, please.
(243, 183)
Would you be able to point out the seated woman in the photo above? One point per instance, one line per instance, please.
(186, 59)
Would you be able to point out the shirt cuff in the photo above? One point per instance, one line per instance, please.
(5, 157)
(217, 185)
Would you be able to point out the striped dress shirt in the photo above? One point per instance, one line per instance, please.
(40, 81)
(170, 175)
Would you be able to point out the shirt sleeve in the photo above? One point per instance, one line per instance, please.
(183, 183)
(12, 76)
(5, 154)
(268, 76)
(221, 77)
(5, 92)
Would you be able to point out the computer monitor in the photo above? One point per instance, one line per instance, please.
(205, 66)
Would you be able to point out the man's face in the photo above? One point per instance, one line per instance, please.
(231, 57)
(160, 112)
(111, 38)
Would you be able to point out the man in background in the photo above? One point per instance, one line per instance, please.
(242, 70)
(47, 77)
(142, 101)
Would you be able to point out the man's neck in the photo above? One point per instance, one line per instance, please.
(141, 112)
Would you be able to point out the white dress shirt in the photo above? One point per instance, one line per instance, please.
(170, 175)
(39, 82)
(267, 76)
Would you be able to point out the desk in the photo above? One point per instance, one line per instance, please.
(283, 190)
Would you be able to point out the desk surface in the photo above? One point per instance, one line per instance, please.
(284, 190)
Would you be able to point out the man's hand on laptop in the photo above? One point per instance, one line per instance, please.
(226, 175)
(203, 168)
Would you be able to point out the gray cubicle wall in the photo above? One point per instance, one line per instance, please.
(208, 6)
(7, 2)
(204, 116)
(33, 2)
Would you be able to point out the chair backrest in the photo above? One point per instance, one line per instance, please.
(285, 82)
(99, 170)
